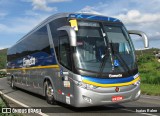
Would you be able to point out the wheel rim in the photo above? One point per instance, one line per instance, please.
(12, 83)
(49, 91)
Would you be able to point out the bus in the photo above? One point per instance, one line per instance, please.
(79, 59)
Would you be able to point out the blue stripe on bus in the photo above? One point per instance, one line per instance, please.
(108, 81)
(93, 17)
(42, 59)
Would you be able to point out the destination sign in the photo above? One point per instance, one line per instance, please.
(89, 24)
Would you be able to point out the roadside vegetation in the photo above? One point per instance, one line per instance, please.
(2, 74)
(3, 57)
(2, 105)
(149, 69)
(150, 89)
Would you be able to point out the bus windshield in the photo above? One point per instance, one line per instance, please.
(108, 49)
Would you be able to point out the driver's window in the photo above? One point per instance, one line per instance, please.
(64, 51)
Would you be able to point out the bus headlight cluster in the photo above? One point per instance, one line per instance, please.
(84, 85)
(137, 83)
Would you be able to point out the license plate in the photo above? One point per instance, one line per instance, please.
(116, 98)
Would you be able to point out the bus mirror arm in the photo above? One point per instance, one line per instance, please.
(142, 34)
(71, 33)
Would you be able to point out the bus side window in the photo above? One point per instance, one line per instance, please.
(64, 51)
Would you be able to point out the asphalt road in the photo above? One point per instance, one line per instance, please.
(27, 99)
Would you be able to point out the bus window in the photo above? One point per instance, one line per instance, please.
(64, 51)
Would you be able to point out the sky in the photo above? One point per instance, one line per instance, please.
(18, 17)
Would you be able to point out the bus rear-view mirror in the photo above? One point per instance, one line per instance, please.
(142, 35)
(71, 34)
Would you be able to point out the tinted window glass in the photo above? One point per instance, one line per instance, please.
(54, 25)
(64, 49)
(91, 32)
(36, 42)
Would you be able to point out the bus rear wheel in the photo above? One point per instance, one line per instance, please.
(49, 93)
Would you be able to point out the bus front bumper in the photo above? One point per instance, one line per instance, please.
(85, 98)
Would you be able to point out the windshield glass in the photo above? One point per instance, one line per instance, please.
(121, 47)
(103, 50)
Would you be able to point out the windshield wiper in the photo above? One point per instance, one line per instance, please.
(103, 62)
(118, 56)
(122, 62)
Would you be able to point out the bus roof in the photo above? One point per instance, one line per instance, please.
(92, 17)
(81, 16)
(88, 16)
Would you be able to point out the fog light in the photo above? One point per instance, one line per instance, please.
(89, 100)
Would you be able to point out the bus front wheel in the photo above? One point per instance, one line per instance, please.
(12, 83)
(49, 93)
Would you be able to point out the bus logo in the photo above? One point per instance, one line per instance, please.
(112, 76)
(117, 89)
(29, 62)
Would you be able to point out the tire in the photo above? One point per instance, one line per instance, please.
(12, 83)
(49, 93)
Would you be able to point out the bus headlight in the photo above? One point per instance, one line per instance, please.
(84, 85)
(137, 83)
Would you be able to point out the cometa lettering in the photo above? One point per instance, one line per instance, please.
(29, 62)
(118, 75)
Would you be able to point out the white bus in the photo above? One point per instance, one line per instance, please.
(77, 58)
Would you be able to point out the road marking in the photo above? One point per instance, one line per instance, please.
(21, 104)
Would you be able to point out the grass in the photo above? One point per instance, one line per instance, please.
(3, 58)
(150, 89)
(2, 105)
(2, 74)
(149, 69)
(150, 72)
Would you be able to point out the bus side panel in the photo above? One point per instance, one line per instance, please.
(31, 60)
